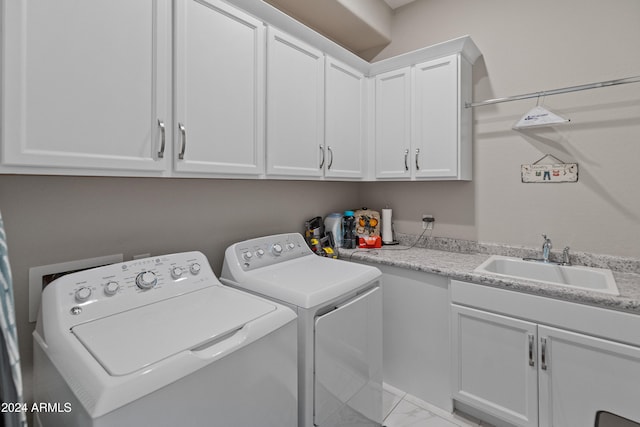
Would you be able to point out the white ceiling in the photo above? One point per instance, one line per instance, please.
(394, 4)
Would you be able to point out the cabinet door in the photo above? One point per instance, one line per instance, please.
(494, 365)
(295, 107)
(219, 89)
(392, 121)
(344, 127)
(435, 124)
(583, 375)
(416, 350)
(86, 83)
(348, 363)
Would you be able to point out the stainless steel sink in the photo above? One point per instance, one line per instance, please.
(579, 277)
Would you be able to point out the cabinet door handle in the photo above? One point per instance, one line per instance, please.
(406, 159)
(417, 155)
(543, 354)
(183, 137)
(321, 152)
(531, 344)
(330, 158)
(162, 139)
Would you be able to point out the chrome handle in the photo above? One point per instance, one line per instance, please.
(183, 146)
(417, 155)
(543, 354)
(330, 158)
(162, 139)
(322, 152)
(531, 343)
(406, 158)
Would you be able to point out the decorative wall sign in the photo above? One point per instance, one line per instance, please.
(556, 172)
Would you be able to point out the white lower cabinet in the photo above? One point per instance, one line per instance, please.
(494, 365)
(415, 334)
(584, 375)
(523, 373)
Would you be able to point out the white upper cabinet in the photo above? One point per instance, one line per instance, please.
(422, 129)
(392, 124)
(295, 107)
(345, 145)
(199, 88)
(86, 84)
(219, 96)
(438, 150)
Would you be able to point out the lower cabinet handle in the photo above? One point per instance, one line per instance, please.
(543, 354)
(532, 361)
(162, 139)
(406, 157)
(417, 155)
(321, 152)
(330, 158)
(183, 134)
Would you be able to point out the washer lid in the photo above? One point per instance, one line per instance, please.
(306, 281)
(129, 341)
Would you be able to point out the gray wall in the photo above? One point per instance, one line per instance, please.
(52, 219)
(529, 47)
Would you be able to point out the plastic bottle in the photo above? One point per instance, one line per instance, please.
(349, 229)
(333, 225)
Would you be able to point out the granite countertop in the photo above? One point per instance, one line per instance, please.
(460, 266)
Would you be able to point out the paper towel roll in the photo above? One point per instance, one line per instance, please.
(387, 233)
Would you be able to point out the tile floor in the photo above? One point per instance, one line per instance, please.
(404, 410)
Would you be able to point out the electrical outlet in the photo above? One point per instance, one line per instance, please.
(427, 222)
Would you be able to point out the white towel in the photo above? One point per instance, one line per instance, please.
(11, 391)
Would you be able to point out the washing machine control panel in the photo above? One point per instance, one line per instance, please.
(269, 250)
(104, 291)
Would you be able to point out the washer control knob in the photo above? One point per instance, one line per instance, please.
(247, 256)
(260, 253)
(176, 272)
(194, 268)
(290, 246)
(276, 249)
(146, 280)
(111, 288)
(83, 294)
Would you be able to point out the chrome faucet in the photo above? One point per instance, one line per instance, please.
(565, 256)
(546, 248)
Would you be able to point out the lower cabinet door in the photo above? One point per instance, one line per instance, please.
(583, 375)
(348, 363)
(495, 365)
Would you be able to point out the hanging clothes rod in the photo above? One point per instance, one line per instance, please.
(634, 79)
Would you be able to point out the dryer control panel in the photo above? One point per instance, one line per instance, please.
(269, 250)
(104, 291)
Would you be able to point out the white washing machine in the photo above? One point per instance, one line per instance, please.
(339, 307)
(161, 342)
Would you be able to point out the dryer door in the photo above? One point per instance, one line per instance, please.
(348, 363)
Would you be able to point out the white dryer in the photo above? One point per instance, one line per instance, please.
(339, 307)
(161, 342)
